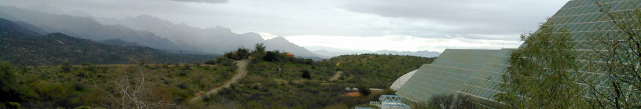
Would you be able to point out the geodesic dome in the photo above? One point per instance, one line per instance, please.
(401, 80)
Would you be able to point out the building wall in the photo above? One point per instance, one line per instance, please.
(478, 72)
(458, 71)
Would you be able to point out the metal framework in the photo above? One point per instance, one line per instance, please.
(385, 98)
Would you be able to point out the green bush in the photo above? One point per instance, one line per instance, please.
(273, 56)
(241, 53)
(12, 105)
(66, 66)
(449, 101)
(224, 61)
(364, 90)
(306, 74)
(8, 84)
(259, 49)
(89, 67)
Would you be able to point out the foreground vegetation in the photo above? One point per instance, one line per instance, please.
(70, 86)
(275, 80)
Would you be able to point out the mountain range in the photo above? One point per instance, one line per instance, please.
(223, 39)
(85, 27)
(21, 46)
(148, 31)
(333, 52)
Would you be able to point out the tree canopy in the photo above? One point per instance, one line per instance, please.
(541, 70)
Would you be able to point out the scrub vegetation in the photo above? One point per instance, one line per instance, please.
(274, 80)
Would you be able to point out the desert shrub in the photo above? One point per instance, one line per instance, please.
(273, 56)
(186, 67)
(66, 66)
(229, 55)
(142, 62)
(241, 53)
(211, 62)
(81, 74)
(136, 90)
(306, 74)
(78, 86)
(196, 64)
(441, 101)
(309, 61)
(12, 105)
(166, 65)
(8, 91)
(364, 90)
(223, 60)
(183, 85)
(259, 48)
(449, 101)
(256, 58)
(89, 67)
(183, 73)
(465, 102)
(83, 107)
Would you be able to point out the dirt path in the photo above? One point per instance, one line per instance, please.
(241, 71)
(336, 76)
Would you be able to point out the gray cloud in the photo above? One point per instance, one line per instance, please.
(469, 19)
(204, 1)
(506, 17)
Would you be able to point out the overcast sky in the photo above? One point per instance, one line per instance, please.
(399, 25)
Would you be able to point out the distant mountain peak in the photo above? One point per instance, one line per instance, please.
(46, 8)
(78, 13)
(279, 38)
(147, 17)
(8, 28)
(219, 28)
(63, 38)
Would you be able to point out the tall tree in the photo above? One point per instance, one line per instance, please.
(616, 54)
(541, 70)
(259, 48)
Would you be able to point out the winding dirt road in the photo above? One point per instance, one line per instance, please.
(241, 71)
(336, 76)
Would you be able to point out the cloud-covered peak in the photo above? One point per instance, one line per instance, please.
(46, 8)
(279, 39)
(204, 1)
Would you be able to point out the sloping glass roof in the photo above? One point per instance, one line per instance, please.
(478, 72)
(472, 72)
(583, 19)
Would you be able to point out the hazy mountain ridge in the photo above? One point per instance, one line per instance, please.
(118, 42)
(8, 29)
(220, 38)
(20, 48)
(417, 53)
(55, 48)
(85, 27)
(157, 33)
(333, 52)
